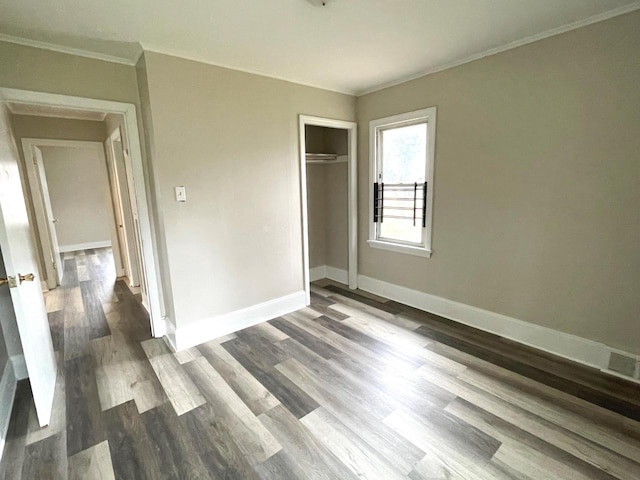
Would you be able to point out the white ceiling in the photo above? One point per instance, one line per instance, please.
(349, 45)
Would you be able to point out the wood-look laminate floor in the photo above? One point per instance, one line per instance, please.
(353, 387)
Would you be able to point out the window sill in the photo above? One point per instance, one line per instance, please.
(395, 247)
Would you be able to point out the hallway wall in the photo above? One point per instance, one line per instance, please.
(80, 196)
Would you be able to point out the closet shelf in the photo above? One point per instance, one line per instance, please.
(328, 158)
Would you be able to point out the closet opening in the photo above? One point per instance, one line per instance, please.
(329, 198)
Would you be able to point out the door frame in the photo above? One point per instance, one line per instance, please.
(128, 110)
(122, 222)
(352, 135)
(40, 198)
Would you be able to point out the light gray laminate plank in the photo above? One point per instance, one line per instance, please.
(54, 300)
(465, 452)
(46, 459)
(187, 355)
(323, 292)
(430, 468)
(350, 348)
(252, 438)
(347, 306)
(112, 362)
(224, 338)
(246, 386)
(311, 460)
(570, 442)
(270, 332)
(579, 424)
(182, 392)
(361, 459)
(523, 451)
(94, 463)
(612, 421)
(127, 375)
(84, 274)
(387, 332)
(359, 417)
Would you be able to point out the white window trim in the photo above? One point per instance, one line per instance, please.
(428, 114)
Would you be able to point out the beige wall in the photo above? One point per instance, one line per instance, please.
(28, 126)
(337, 206)
(537, 183)
(317, 214)
(29, 68)
(79, 193)
(232, 139)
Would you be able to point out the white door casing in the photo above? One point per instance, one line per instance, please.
(145, 228)
(352, 135)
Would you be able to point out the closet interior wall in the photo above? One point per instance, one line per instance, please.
(327, 191)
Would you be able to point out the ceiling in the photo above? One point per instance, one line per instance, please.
(350, 46)
(55, 111)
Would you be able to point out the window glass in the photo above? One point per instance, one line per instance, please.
(402, 164)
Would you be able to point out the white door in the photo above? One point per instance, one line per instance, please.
(20, 262)
(50, 217)
(44, 216)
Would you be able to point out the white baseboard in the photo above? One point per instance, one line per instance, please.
(8, 385)
(569, 346)
(19, 367)
(332, 273)
(210, 328)
(84, 246)
(317, 273)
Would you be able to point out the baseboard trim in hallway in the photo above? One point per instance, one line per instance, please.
(214, 327)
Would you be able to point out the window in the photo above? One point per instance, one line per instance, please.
(401, 152)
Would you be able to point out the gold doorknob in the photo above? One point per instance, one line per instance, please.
(29, 277)
(3, 281)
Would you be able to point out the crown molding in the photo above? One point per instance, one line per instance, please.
(64, 49)
(358, 93)
(508, 46)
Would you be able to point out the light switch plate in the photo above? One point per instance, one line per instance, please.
(181, 194)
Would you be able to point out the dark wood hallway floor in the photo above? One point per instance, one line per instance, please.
(353, 387)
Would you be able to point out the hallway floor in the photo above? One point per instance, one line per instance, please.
(353, 387)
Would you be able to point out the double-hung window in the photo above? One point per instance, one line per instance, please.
(402, 149)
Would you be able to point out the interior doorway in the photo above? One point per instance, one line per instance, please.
(328, 166)
(140, 261)
(71, 200)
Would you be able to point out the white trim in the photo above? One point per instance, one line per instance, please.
(317, 273)
(27, 42)
(131, 125)
(19, 366)
(397, 247)
(352, 132)
(428, 115)
(327, 271)
(214, 327)
(508, 46)
(85, 246)
(8, 386)
(578, 349)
